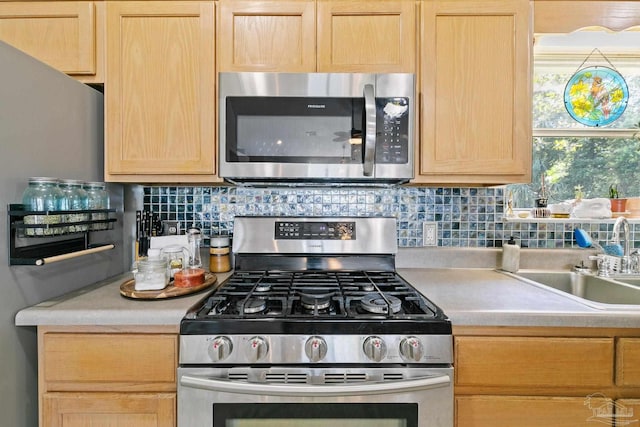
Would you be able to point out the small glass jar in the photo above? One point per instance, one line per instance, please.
(177, 258)
(74, 199)
(97, 198)
(219, 254)
(43, 194)
(151, 273)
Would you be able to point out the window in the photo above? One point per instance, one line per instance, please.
(568, 153)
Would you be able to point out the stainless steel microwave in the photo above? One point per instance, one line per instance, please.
(327, 128)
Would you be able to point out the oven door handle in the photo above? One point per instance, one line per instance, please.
(293, 390)
(369, 129)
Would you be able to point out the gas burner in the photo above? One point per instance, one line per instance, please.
(252, 306)
(367, 287)
(262, 287)
(314, 300)
(381, 304)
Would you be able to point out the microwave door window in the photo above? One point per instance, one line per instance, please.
(294, 139)
(296, 130)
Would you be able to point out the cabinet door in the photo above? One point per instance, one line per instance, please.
(510, 411)
(476, 92)
(60, 34)
(267, 35)
(627, 366)
(109, 409)
(365, 36)
(160, 94)
(627, 411)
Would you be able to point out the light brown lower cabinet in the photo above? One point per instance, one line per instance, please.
(525, 363)
(103, 376)
(541, 377)
(528, 411)
(627, 412)
(109, 409)
(628, 362)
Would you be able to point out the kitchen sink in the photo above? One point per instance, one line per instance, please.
(630, 280)
(614, 293)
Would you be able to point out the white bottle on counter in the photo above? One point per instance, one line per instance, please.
(511, 256)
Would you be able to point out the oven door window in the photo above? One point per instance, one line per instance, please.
(315, 415)
(294, 130)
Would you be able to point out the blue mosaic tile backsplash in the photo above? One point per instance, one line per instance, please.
(465, 217)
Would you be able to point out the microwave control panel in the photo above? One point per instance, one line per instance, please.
(392, 141)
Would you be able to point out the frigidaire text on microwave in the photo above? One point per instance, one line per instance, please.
(327, 128)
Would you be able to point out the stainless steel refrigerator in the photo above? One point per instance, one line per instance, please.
(50, 125)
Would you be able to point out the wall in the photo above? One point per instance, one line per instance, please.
(466, 217)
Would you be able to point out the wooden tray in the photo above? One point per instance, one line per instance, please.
(127, 289)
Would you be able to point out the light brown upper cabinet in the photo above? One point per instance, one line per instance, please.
(267, 35)
(322, 35)
(552, 16)
(367, 36)
(67, 35)
(160, 92)
(475, 92)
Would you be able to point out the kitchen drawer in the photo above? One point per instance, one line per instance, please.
(109, 362)
(530, 362)
(627, 366)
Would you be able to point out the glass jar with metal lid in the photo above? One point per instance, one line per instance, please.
(43, 194)
(97, 198)
(151, 273)
(74, 199)
(219, 254)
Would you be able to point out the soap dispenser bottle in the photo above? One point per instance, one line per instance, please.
(511, 256)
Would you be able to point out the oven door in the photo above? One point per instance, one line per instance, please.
(399, 397)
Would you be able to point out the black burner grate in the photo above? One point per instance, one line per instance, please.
(317, 295)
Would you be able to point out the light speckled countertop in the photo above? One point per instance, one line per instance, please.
(469, 296)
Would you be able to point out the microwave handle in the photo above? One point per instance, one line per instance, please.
(369, 129)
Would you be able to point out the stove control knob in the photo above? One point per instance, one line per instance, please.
(257, 349)
(315, 348)
(374, 348)
(220, 348)
(411, 349)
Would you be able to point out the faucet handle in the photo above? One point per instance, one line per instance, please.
(606, 264)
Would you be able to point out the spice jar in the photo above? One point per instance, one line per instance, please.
(74, 199)
(97, 199)
(43, 195)
(219, 256)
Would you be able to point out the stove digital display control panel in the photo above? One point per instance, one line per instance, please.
(315, 230)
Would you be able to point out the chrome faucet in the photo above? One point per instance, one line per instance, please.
(622, 223)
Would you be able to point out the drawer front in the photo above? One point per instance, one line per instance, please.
(131, 362)
(534, 362)
(627, 366)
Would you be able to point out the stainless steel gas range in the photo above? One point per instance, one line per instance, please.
(315, 328)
